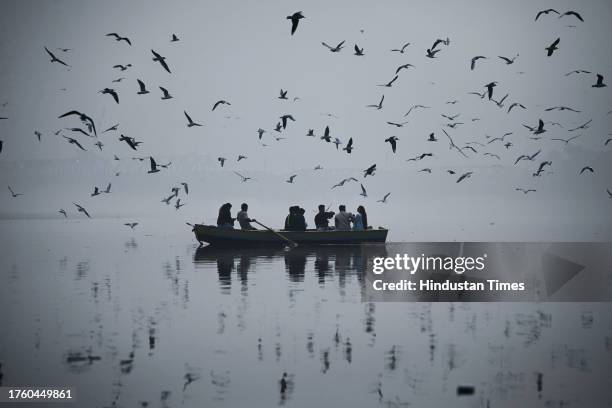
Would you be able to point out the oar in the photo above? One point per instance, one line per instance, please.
(293, 244)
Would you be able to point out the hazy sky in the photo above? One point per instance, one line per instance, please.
(243, 52)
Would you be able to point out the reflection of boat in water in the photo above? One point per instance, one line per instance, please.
(323, 260)
(238, 238)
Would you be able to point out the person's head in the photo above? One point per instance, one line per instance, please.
(244, 206)
(361, 210)
(301, 211)
(228, 205)
(321, 208)
(342, 208)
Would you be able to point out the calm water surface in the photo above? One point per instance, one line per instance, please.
(136, 317)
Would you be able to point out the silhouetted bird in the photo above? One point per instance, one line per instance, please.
(552, 47)
(142, 88)
(295, 20)
(54, 58)
(119, 38)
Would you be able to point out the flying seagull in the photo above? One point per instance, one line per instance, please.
(552, 47)
(143, 88)
(337, 48)
(74, 142)
(490, 87)
(578, 71)
(420, 157)
(369, 171)
(240, 157)
(290, 179)
(541, 168)
(243, 178)
(122, 67)
(572, 13)
(539, 130)
(191, 122)
(453, 145)
(174, 38)
(431, 53)
(154, 168)
(283, 94)
(384, 199)
(166, 93)
(185, 187)
(114, 127)
(349, 146)
(545, 12)
(295, 19)
(63, 212)
(220, 102)
(566, 140)
(525, 190)
(363, 191)
(390, 83)
(119, 38)
(516, 104)
(476, 58)
(401, 50)
(507, 60)
(587, 168)
(81, 209)
(130, 141)
(599, 83)
(131, 224)
(405, 66)
(561, 108)
(83, 117)
(326, 136)
(111, 92)
(260, 132)
(380, 104)
(585, 125)
(221, 160)
(393, 142)
(54, 58)
(358, 51)
(464, 176)
(527, 157)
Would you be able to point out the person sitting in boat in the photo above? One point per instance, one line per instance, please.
(360, 222)
(225, 220)
(322, 218)
(300, 220)
(290, 219)
(343, 219)
(243, 218)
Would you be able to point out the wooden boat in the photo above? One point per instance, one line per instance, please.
(238, 238)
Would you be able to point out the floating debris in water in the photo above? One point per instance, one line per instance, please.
(465, 390)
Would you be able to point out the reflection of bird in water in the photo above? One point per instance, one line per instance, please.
(13, 194)
(189, 378)
(283, 383)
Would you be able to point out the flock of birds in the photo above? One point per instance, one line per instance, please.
(469, 149)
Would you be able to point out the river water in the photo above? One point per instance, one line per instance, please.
(144, 317)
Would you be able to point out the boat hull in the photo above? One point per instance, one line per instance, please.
(228, 237)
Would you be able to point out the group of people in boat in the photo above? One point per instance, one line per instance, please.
(296, 221)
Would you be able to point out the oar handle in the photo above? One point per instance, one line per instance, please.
(293, 244)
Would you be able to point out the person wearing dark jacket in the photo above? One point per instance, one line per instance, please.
(225, 220)
(322, 218)
(300, 220)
